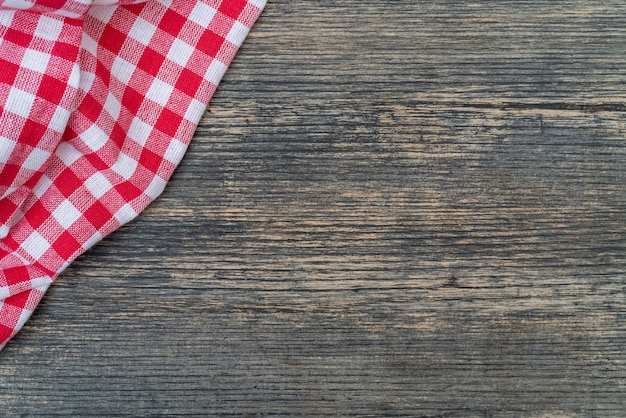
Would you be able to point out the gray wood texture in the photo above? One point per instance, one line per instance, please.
(411, 208)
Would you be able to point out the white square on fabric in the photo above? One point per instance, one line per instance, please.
(139, 131)
(195, 110)
(68, 13)
(89, 44)
(159, 92)
(258, 3)
(19, 102)
(175, 151)
(202, 14)
(18, 4)
(66, 214)
(24, 315)
(92, 240)
(35, 245)
(112, 106)
(125, 166)
(6, 17)
(6, 148)
(74, 79)
(35, 60)
(4, 232)
(42, 186)
(98, 185)
(125, 214)
(155, 188)
(142, 31)
(67, 153)
(35, 159)
(237, 33)
(87, 79)
(122, 69)
(215, 72)
(180, 52)
(49, 28)
(94, 137)
(58, 123)
(102, 14)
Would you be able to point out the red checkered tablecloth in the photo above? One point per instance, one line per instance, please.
(99, 100)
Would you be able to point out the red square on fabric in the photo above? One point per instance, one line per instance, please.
(51, 89)
(168, 122)
(7, 209)
(151, 61)
(8, 72)
(210, 43)
(188, 82)
(172, 22)
(66, 245)
(232, 8)
(17, 37)
(150, 160)
(128, 191)
(112, 39)
(118, 135)
(67, 182)
(8, 174)
(5, 332)
(65, 51)
(15, 275)
(37, 215)
(97, 215)
(97, 162)
(103, 74)
(132, 100)
(134, 8)
(21, 299)
(33, 180)
(53, 4)
(91, 108)
(32, 132)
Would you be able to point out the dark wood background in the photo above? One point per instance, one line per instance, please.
(392, 208)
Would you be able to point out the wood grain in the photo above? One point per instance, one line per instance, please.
(391, 208)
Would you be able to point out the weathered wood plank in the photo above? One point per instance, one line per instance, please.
(391, 208)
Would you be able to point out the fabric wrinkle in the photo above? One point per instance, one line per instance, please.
(98, 102)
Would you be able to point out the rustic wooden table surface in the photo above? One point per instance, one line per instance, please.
(391, 208)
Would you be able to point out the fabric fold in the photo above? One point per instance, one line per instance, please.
(67, 8)
(97, 111)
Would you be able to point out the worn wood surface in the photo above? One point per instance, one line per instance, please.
(392, 208)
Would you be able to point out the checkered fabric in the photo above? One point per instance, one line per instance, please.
(68, 8)
(98, 102)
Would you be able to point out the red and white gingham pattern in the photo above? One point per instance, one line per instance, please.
(96, 114)
(68, 8)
